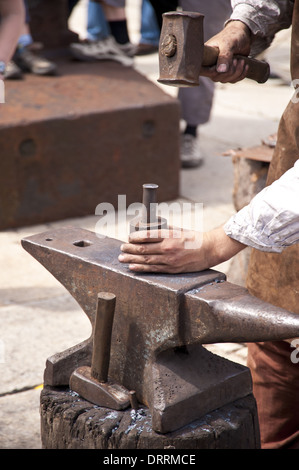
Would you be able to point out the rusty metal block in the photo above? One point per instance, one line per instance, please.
(71, 142)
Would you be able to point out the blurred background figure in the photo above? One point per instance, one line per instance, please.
(107, 35)
(26, 57)
(12, 16)
(196, 103)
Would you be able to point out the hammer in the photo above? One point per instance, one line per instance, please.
(182, 52)
(92, 383)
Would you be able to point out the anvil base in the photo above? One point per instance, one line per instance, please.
(191, 382)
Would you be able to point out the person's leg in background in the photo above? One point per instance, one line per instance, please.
(26, 58)
(71, 6)
(97, 26)
(149, 30)
(196, 102)
(161, 6)
(100, 44)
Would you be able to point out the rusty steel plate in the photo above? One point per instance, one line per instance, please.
(71, 142)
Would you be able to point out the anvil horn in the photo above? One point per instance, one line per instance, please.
(160, 323)
(224, 312)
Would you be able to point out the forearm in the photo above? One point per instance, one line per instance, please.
(219, 247)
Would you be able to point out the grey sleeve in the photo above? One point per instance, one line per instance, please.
(264, 19)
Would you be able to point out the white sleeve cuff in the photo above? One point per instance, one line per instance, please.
(271, 221)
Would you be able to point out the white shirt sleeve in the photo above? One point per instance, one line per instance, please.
(271, 221)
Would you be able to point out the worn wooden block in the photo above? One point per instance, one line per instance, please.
(71, 142)
(69, 422)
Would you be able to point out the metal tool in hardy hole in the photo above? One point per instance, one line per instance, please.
(149, 219)
(182, 52)
(91, 382)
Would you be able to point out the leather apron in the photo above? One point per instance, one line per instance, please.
(275, 278)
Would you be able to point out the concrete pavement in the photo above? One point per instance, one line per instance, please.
(38, 316)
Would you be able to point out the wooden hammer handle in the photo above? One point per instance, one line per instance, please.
(258, 71)
(102, 336)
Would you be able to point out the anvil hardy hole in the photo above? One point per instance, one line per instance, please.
(82, 243)
(27, 148)
(49, 239)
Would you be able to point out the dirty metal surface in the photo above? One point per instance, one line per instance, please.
(71, 142)
(160, 322)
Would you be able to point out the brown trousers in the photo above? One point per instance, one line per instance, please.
(275, 278)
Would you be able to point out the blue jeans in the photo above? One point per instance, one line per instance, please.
(150, 31)
(97, 26)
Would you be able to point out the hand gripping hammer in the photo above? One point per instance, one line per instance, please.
(182, 52)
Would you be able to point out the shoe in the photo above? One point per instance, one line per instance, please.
(128, 48)
(190, 152)
(105, 49)
(145, 49)
(28, 61)
(12, 71)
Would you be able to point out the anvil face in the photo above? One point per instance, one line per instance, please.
(160, 322)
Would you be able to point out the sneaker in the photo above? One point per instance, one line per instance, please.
(190, 152)
(12, 71)
(29, 61)
(128, 48)
(105, 49)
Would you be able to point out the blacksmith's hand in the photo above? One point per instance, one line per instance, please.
(234, 39)
(177, 250)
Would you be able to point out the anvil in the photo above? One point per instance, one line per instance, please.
(160, 323)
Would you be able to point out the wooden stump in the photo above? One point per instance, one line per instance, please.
(251, 167)
(70, 422)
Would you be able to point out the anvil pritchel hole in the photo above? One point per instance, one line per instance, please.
(49, 239)
(82, 243)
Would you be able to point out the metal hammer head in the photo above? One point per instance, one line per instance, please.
(180, 64)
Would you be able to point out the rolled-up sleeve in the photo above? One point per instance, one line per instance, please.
(264, 19)
(271, 221)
